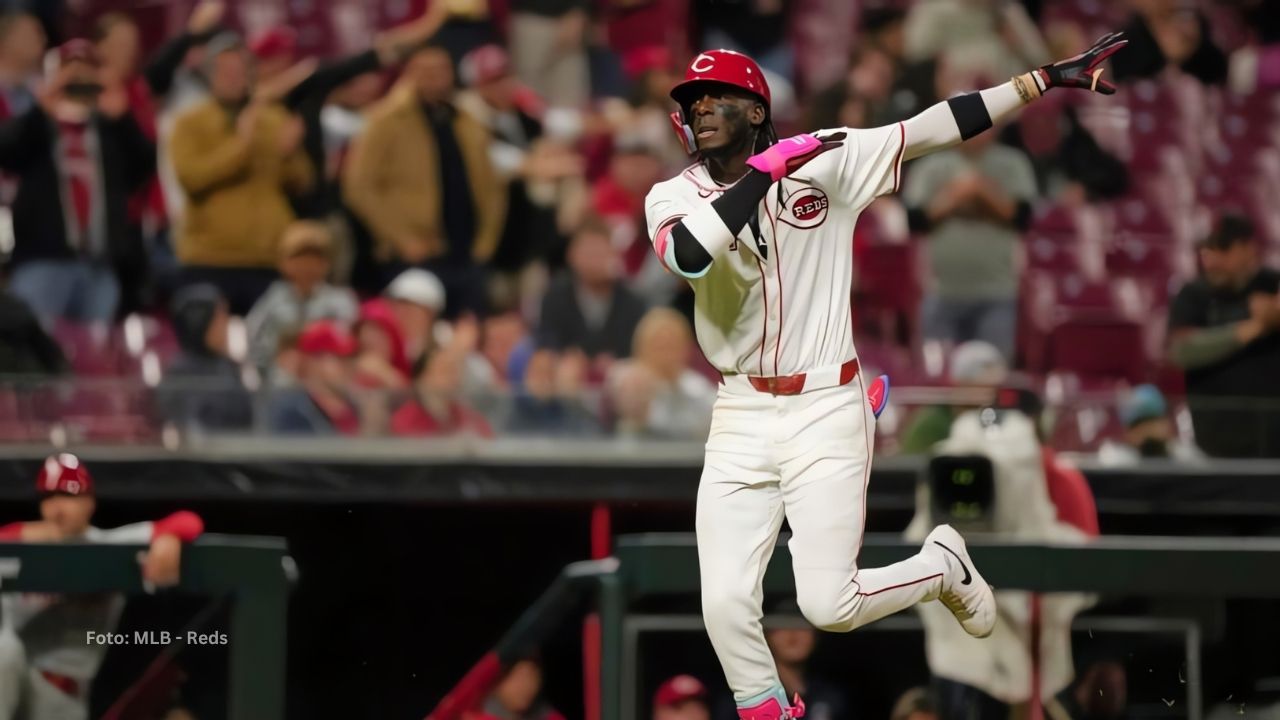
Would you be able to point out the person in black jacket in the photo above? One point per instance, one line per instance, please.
(201, 389)
(588, 308)
(78, 155)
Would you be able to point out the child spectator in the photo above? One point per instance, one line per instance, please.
(301, 295)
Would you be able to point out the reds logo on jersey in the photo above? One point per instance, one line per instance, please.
(805, 208)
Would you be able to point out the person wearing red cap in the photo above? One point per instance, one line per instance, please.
(761, 229)
(45, 661)
(320, 403)
(78, 155)
(682, 697)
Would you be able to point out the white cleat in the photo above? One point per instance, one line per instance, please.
(964, 592)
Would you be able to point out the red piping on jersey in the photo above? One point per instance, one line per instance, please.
(866, 472)
(764, 332)
(777, 267)
(899, 585)
(897, 159)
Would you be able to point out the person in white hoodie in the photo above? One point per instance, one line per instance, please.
(983, 679)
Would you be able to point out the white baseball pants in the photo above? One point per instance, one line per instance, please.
(26, 695)
(806, 457)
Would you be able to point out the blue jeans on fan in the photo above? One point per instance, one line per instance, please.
(956, 321)
(78, 290)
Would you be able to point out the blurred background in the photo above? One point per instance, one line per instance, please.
(373, 276)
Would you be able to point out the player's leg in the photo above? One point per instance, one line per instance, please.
(13, 674)
(738, 518)
(824, 472)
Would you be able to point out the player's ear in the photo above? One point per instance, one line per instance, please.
(757, 114)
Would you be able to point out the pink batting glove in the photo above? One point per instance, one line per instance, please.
(791, 154)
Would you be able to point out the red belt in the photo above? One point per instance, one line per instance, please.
(794, 384)
(67, 685)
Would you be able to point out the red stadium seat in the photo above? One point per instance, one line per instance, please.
(1099, 347)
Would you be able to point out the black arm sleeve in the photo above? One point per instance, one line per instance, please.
(321, 82)
(168, 58)
(735, 208)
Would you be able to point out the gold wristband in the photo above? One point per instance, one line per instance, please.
(1026, 87)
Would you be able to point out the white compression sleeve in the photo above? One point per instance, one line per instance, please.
(936, 129)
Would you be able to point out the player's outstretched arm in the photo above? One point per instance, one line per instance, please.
(960, 118)
(688, 244)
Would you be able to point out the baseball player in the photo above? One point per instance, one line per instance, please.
(47, 662)
(762, 230)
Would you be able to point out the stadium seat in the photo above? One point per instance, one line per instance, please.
(1098, 347)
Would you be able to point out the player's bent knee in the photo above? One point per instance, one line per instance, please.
(823, 611)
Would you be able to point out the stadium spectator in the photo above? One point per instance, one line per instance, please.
(417, 297)
(587, 307)
(755, 27)
(531, 164)
(437, 406)
(351, 82)
(618, 199)
(549, 49)
(201, 389)
(420, 179)
(682, 697)
(319, 404)
(118, 42)
(518, 695)
(1222, 331)
(25, 347)
(46, 667)
(1148, 432)
(975, 365)
(985, 37)
(1070, 165)
(1167, 33)
(971, 204)
(237, 161)
(655, 393)
(914, 81)
(22, 47)
(300, 296)
(380, 361)
(650, 117)
(77, 155)
(549, 400)
(915, 704)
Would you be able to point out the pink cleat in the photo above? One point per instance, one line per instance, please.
(771, 709)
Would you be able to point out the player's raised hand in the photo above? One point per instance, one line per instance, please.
(1083, 71)
(793, 153)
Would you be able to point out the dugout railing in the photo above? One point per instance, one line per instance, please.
(253, 572)
(657, 565)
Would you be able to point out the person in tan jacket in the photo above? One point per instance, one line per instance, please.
(237, 161)
(421, 180)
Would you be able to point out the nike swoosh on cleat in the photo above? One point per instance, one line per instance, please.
(967, 577)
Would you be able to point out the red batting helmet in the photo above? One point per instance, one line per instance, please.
(716, 66)
(64, 474)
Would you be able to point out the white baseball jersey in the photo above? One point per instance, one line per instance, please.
(53, 627)
(780, 304)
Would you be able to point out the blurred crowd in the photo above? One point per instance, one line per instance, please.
(426, 219)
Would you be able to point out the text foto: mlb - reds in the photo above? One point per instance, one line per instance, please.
(155, 637)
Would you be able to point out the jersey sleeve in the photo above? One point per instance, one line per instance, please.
(134, 534)
(662, 212)
(868, 165)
